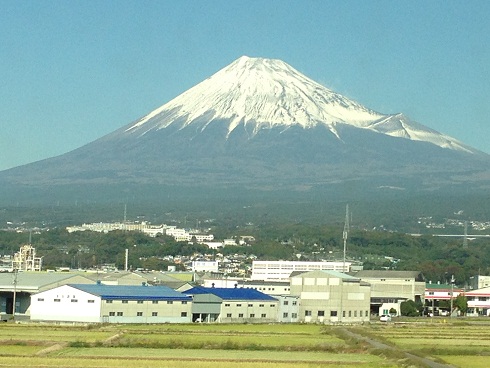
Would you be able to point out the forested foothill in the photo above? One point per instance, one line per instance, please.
(307, 227)
(438, 258)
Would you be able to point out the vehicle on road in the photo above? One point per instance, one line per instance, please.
(385, 318)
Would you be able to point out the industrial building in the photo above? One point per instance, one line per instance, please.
(331, 297)
(101, 303)
(282, 270)
(232, 305)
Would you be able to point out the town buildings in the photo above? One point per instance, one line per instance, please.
(281, 270)
(389, 288)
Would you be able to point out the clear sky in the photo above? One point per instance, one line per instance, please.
(73, 71)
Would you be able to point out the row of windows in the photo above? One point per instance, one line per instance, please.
(140, 314)
(240, 315)
(57, 300)
(72, 300)
(141, 301)
(286, 315)
(250, 305)
(286, 302)
(333, 313)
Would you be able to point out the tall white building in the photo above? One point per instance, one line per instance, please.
(281, 270)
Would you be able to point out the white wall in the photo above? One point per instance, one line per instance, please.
(65, 304)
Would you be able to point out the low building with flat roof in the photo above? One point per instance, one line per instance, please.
(232, 305)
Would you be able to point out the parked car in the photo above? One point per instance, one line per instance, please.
(385, 318)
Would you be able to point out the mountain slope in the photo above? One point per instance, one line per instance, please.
(259, 124)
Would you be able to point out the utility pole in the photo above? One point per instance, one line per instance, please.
(15, 292)
(452, 291)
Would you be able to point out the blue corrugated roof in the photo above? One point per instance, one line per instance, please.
(231, 293)
(131, 292)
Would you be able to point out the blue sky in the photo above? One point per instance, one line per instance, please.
(73, 71)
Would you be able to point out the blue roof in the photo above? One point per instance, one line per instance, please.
(131, 292)
(231, 293)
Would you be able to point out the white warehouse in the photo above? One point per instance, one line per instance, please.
(111, 304)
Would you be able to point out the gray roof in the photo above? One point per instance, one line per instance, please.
(35, 280)
(330, 273)
(391, 274)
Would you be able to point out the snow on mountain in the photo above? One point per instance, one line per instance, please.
(267, 93)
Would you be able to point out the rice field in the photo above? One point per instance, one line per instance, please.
(459, 343)
(244, 346)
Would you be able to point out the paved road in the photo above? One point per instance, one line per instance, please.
(379, 345)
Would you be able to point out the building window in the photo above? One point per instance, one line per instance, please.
(333, 313)
(355, 313)
(227, 305)
(295, 302)
(228, 315)
(125, 302)
(250, 305)
(57, 300)
(74, 300)
(183, 314)
(108, 301)
(119, 314)
(263, 315)
(184, 301)
(294, 315)
(350, 313)
(170, 302)
(90, 301)
(285, 315)
(139, 314)
(112, 314)
(154, 314)
(40, 299)
(240, 315)
(321, 313)
(273, 305)
(367, 313)
(154, 301)
(308, 313)
(431, 293)
(285, 302)
(140, 301)
(238, 305)
(252, 315)
(261, 305)
(343, 314)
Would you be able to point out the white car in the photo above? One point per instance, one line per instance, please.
(385, 318)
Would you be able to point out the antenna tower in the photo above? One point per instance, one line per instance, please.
(345, 233)
(465, 239)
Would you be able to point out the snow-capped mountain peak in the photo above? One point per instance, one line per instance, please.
(264, 93)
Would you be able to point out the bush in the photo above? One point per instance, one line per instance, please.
(409, 309)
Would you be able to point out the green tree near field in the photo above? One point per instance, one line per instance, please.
(461, 302)
(409, 308)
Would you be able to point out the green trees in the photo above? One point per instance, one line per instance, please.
(410, 309)
(461, 302)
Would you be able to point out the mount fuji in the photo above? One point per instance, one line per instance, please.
(259, 124)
